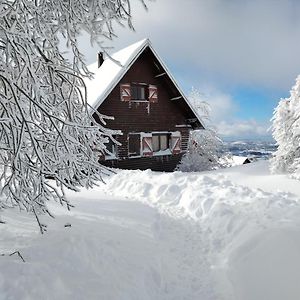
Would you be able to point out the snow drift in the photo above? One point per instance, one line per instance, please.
(251, 237)
(165, 236)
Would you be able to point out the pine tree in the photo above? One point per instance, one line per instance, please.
(286, 132)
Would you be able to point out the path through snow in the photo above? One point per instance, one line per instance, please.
(148, 235)
(115, 249)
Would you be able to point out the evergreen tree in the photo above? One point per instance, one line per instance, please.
(286, 132)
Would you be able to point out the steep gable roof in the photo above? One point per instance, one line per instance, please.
(113, 69)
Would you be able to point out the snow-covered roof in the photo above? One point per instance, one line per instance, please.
(238, 160)
(113, 69)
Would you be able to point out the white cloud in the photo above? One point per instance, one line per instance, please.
(234, 43)
(249, 42)
(222, 105)
(223, 116)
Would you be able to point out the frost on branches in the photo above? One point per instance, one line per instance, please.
(286, 132)
(204, 145)
(203, 152)
(47, 136)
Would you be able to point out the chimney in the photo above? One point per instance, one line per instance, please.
(100, 59)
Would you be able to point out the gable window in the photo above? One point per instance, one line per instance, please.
(160, 142)
(139, 92)
(134, 144)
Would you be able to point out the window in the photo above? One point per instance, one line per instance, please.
(148, 144)
(111, 149)
(134, 144)
(155, 143)
(139, 92)
(161, 142)
(110, 146)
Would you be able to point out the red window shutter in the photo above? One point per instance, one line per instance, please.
(153, 93)
(147, 148)
(125, 92)
(176, 142)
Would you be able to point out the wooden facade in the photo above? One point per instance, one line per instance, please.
(159, 125)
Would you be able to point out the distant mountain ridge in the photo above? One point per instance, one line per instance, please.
(259, 149)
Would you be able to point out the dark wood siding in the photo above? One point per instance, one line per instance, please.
(165, 163)
(130, 117)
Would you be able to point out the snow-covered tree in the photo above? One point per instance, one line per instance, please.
(203, 152)
(286, 132)
(204, 145)
(47, 133)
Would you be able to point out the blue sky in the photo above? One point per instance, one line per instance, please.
(243, 55)
(256, 103)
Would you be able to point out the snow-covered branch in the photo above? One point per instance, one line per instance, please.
(204, 145)
(286, 132)
(47, 134)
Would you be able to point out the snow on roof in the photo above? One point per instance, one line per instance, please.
(238, 160)
(112, 70)
(233, 160)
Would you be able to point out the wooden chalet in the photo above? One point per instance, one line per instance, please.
(153, 114)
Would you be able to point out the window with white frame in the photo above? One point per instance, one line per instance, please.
(138, 92)
(148, 144)
(160, 141)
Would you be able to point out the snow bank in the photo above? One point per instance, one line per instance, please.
(165, 236)
(190, 195)
(251, 238)
(108, 253)
(257, 175)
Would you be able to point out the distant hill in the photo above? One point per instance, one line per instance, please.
(260, 149)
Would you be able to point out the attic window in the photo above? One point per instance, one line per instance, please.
(139, 92)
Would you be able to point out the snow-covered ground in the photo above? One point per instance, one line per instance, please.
(257, 175)
(229, 234)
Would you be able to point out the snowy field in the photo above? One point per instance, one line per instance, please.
(230, 234)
